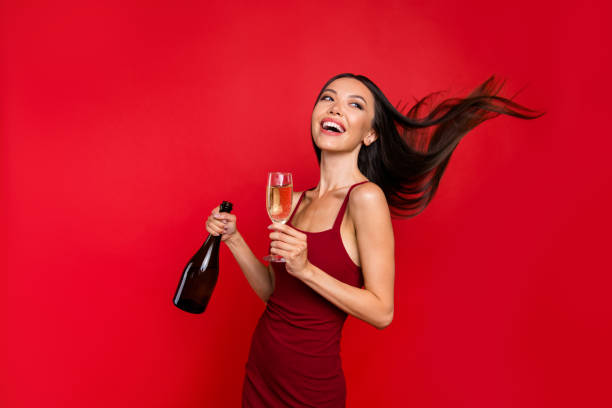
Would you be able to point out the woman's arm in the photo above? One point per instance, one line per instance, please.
(259, 276)
(374, 303)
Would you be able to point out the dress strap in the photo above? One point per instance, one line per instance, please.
(340, 215)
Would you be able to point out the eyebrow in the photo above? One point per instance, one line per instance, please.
(350, 96)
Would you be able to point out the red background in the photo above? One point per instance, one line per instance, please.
(123, 124)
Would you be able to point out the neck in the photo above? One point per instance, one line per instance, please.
(338, 170)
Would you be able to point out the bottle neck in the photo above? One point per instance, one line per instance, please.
(225, 207)
(222, 210)
(215, 239)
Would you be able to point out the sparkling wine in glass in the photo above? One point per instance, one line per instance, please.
(279, 199)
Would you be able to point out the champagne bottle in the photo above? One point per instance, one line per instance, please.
(200, 275)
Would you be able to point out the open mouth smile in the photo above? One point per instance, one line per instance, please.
(332, 127)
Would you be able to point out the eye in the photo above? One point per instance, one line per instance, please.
(326, 98)
(357, 105)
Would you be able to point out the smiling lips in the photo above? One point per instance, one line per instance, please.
(332, 127)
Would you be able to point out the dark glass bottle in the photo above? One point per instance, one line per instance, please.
(200, 275)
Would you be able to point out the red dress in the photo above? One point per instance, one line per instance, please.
(294, 360)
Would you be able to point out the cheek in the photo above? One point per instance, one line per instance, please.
(367, 124)
(313, 126)
(315, 114)
(361, 125)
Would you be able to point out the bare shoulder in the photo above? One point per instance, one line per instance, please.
(368, 197)
(371, 218)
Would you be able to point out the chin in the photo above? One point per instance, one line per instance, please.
(324, 144)
(332, 148)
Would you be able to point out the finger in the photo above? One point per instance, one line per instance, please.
(225, 217)
(287, 230)
(282, 245)
(281, 252)
(281, 236)
(215, 232)
(215, 228)
(216, 223)
(212, 232)
(215, 210)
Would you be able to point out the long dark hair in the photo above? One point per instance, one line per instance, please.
(411, 153)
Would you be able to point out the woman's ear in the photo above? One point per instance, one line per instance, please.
(370, 138)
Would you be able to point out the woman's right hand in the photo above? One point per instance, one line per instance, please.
(223, 224)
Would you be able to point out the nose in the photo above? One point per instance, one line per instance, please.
(334, 110)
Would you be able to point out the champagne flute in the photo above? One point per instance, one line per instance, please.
(279, 200)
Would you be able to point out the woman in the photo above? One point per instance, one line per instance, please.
(338, 243)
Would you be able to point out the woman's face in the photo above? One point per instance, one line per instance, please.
(342, 117)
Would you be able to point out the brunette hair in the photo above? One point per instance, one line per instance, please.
(409, 157)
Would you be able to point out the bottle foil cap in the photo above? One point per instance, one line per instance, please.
(226, 206)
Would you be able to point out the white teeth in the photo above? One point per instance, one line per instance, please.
(334, 125)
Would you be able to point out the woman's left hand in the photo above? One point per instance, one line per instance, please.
(290, 244)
